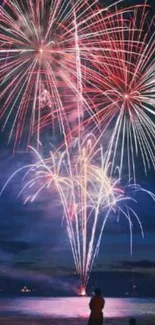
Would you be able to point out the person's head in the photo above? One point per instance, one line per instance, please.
(97, 292)
(132, 321)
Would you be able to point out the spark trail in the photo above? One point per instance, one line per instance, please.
(88, 195)
(124, 96)
(47, 54)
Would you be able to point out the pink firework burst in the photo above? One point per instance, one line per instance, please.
(48, 51)
(124, 96)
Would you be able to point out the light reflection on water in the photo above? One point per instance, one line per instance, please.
(76, 307)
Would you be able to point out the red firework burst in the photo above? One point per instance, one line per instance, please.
(124, 95)
(48, 52)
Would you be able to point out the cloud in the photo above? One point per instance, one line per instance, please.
(145, 264)
(14, 247)
(51, 281)
(137, 266)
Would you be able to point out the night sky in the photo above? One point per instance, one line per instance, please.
(33, 239)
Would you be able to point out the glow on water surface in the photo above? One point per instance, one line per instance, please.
(76, 307)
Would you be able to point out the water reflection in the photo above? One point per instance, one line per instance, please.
(75, 307)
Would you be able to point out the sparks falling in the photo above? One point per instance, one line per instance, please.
(124, 96)
(73, 65)
(48, 51)
(88, 195)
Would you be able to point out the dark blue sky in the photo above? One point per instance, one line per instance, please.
(33, 237)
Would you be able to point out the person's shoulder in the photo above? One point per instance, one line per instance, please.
(93, 299)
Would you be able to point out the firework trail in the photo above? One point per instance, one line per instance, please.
(124, 96)
(87, 194)
(72, 64)
(46, 49)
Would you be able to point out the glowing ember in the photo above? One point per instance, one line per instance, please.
(82, 291)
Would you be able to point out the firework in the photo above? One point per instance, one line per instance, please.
(70, 65)
(47, 53)
(87, 194)
(124, 96)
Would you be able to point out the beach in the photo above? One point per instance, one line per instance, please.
(69, 321)
(73, 311)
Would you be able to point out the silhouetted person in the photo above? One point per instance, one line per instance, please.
(132, 321)
(96, 306)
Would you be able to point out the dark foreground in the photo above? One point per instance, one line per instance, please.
(70, 321)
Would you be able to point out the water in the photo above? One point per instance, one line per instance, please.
(75, 307)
